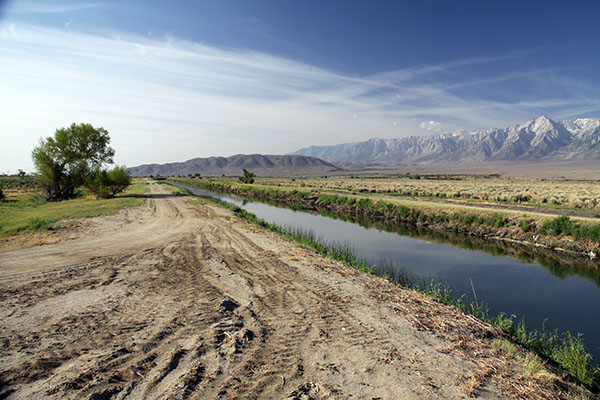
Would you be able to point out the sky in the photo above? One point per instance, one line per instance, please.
(175, 80)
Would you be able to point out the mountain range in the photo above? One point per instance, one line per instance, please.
(262, 165)
(541, 139)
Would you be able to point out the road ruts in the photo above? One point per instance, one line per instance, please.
(188, 302)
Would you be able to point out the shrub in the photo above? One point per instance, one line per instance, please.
(564, 225)
(1, 194)
(403, 211)
(525, 225)
(36, 224)
(97, 182)
(495, 220)
(119, 179)
(558, 225)
(468, 219)
(590, 231)
(248, 176)
(364, 203)
(106, 184)
(326, 198)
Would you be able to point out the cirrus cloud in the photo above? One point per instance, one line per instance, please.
(169, 99)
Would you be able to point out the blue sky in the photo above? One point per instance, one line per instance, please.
(181, 79)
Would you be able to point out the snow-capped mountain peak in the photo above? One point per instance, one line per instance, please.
(538, 139)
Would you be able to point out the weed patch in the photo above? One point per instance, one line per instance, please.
(39, 224)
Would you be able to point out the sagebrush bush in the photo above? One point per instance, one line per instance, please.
(563, 225)
(557, 193)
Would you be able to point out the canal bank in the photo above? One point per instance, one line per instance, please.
(545, 298)
(551, 234)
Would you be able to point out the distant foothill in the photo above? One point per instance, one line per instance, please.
(540, 140)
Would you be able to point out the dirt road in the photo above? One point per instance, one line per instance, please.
(178, 300)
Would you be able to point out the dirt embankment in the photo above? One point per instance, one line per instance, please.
(173, 300)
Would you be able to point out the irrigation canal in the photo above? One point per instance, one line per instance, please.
(566, 301)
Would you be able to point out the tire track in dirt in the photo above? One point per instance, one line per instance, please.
(160, 220)
(321, 317)
(190, 303)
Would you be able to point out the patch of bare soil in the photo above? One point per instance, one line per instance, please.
(173, 300)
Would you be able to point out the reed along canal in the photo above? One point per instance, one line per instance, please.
(563, 297)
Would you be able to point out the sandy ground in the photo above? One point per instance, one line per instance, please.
(174, 300)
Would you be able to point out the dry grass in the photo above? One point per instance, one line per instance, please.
(520, 373)
(533, 368)
(565, 193)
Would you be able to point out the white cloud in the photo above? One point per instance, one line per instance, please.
(431, 126)
(171, 100)
(30, 6)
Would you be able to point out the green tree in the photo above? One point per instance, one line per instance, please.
(119, 179)
(106, 184)
(97, 182)
(248, 176)
(66, 161)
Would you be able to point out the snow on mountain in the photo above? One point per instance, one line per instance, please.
(540, 139)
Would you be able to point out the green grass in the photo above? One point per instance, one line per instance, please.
(334, 251)
(565, 349)
(30, 212)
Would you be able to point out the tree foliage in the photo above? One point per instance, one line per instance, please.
(109, 183)
(248, 176)
(118, 180)
(66, 161)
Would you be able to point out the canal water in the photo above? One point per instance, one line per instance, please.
(563, 301)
